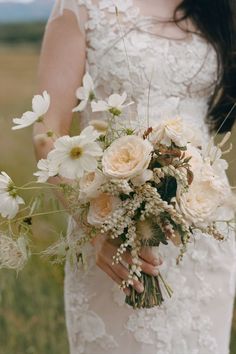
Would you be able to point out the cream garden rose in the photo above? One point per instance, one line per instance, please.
(101, 207)
(206, 194)
(127, 157)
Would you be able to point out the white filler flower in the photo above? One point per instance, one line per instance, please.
(114, 104)
(85, 93)
(9, 200)
(40, 105)
(76, 155)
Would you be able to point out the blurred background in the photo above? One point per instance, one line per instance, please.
(31, 302)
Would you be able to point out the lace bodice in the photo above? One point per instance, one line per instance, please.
(127, 52)
(171, 75)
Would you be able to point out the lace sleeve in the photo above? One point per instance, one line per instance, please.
(71, 5)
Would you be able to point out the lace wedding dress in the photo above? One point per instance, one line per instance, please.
(124, 53)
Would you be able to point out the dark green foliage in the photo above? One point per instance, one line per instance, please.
(167, 188)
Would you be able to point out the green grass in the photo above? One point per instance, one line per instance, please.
(31, 304)
(18, 33)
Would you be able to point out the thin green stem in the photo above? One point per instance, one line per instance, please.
(33, 188)
(38, 214)
(167, 287)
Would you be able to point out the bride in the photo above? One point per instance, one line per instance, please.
(182, 56)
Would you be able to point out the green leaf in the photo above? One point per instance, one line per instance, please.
(167, 189)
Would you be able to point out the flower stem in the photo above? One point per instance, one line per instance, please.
(152, 294)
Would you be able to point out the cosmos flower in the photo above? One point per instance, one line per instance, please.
(40, 105)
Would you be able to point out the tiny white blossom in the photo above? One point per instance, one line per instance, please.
(46, 169)
(85, 93)
(76, 155)
(9, 200)
(40, 105)
(114, 104)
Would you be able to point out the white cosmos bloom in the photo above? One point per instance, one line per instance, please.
(76, 155)
(114, 104)
(47, 168)
(40, 105)
(9, 200)
(85, 93)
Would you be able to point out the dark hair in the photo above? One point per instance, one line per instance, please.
(216, 20)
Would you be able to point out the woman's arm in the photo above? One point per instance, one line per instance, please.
(61, 68)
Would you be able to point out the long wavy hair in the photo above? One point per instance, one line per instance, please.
(216, 20)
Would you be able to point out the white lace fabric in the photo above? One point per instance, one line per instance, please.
(166, 76)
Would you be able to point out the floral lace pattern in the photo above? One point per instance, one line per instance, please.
(171, 74)
(176, 77)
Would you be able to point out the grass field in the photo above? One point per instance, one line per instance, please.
(31, 304)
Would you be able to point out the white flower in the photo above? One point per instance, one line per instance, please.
(145, 176)
(9, 200)
(89, 184)
(205, 195)
(40, 105)
(114, 104)
(85, 93)
(101, 207)
(13, 254)
(214, 154)
(47, 169)
(168, 131)
(196, 161)
(193, 134)
(76, 155)
(127, 157)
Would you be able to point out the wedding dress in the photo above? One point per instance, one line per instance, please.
(124, 53)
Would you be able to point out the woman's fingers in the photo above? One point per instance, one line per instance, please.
(119, 272)
(112, 274)
(123, 272)
(109, 271)
(150, 256)
(147, 267)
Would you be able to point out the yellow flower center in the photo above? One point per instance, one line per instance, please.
(12, 190)
(76, 152)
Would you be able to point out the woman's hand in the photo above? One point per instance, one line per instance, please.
(105, 250)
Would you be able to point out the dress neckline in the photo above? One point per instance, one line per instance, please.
(190, 35)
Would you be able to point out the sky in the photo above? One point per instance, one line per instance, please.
(17, 1)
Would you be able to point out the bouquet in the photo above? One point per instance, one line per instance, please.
(139, 185)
